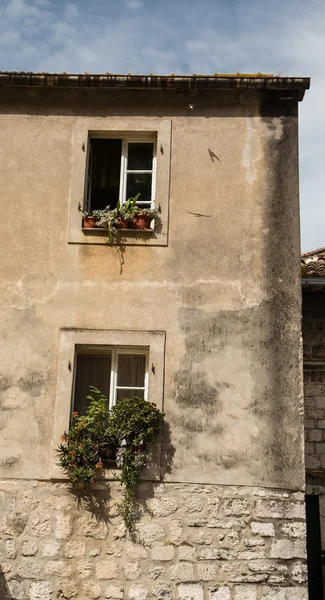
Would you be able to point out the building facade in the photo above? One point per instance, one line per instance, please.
(205, 305)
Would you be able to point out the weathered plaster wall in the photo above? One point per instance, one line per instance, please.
(194, 542)
(226, 289)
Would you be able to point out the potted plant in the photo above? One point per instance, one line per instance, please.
(106, 219)
(133, 423)
(125, 430)
(143, 216)
(125, 212)
(87, 444)
(88, 220)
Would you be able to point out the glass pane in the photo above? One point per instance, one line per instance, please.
(105, 172)
(139, 183)
(140, 156)
(128, 394)
(91, 370)
(131, 370)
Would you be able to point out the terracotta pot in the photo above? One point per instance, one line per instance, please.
(141, 222)
(123, 224)
(89, 222)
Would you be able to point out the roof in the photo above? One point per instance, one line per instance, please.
(313, 263)
(214, 81)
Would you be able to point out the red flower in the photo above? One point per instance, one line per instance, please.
(74, 414)
(99, 465)
(64, 437)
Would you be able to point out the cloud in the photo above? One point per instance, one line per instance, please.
(184, 37)
(134, 4)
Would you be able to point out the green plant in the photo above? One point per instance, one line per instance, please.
(152, 213)
(127, 210)
(134, 423)
(79, 451)
(106, 219)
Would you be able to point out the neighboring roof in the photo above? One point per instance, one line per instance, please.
(313, 263)
(212, 82)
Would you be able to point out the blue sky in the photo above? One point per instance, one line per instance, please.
(185, 36)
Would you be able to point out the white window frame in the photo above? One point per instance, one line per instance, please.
(158, 129)
(125, 171)
(100, 340)
(114, 352)
(126, 140)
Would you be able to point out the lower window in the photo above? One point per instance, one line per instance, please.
(117, 372)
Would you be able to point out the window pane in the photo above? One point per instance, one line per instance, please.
(128, 394)
(91, 370)
(131, 370)
(105, 172)
(139, 183)
(140, 156)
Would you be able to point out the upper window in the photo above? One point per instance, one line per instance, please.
(118, 169)
(116, 372)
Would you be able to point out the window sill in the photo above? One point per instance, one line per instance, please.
(120, 232)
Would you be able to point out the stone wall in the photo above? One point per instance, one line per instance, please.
(58, 544)
(314, 380)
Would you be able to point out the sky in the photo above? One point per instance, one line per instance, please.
(185, 36)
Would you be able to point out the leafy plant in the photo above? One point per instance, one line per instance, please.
(127, 210)
(130, 425)
(134, 423)
(79, 451)
(106, 219)
(151, 213)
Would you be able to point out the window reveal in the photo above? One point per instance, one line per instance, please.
(117, 372)
(120, 168)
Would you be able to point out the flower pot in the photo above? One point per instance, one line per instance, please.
(89, 222)
(123, 224)
(142, 222)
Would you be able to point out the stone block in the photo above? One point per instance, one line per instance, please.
(194, 503)
(162, 506)
(200, 538)
(163, 552)
(114, 591)
(11, 549)
(85, 569)
(154, 572)
(299, 573)
(40, 590)
(280, 509)
(213, 507)
(315, 435)
(58, 567)
(182, 571)
(226, 523)
(15, 523)
(262, 529)
(284, 593)
(91, 590)
(106, 569)
(219, 593)
(162, 592)
(51, 549)
(17, 589)
(148, 533)
(68, 589)
(138, 592)
(63, 526)
(245, 592)
(294, 530)
(136, 551)
(206, 571)
(94, 552)
(217, 554)
(250, 578)
(29, 548)
(74, 549)
(29, 569)
(132, 570)
(236, 507)
(288, 549)
(186, 553)
(41, 525)
(176, 531)
(192, 591)
(88, 527)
